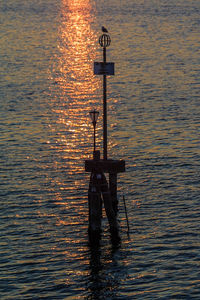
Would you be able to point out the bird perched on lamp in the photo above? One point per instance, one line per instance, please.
(104, 29)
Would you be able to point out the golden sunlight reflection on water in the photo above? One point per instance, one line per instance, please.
(77, 92)
(77, 50)
(73, 76)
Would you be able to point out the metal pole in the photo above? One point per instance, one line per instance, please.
(104, 110)
(126, 214)
(94, 137)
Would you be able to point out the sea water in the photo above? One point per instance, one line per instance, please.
(47, 89)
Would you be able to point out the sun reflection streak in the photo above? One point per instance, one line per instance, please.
(74, 93)
(73, 76)
(77, 51)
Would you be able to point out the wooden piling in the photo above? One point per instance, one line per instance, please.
(95, 208)
(113, 190)
(99, 191)
(108, 204)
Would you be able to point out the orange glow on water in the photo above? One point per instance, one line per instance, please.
(77, 51)
(77, 93)
(73, 75)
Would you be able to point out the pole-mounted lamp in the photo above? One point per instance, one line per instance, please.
(94, 116)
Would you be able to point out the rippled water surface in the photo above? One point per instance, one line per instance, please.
(47, 88)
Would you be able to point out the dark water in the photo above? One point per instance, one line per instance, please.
(47, 89)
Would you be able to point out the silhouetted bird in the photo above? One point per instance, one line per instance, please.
(104, 29)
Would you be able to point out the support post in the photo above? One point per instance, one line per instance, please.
(113, 191)
(95, 209)
(112, 219)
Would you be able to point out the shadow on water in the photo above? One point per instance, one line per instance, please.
(103, 283)
(107, 270)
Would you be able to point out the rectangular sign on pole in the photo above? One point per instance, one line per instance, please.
(101, 68)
